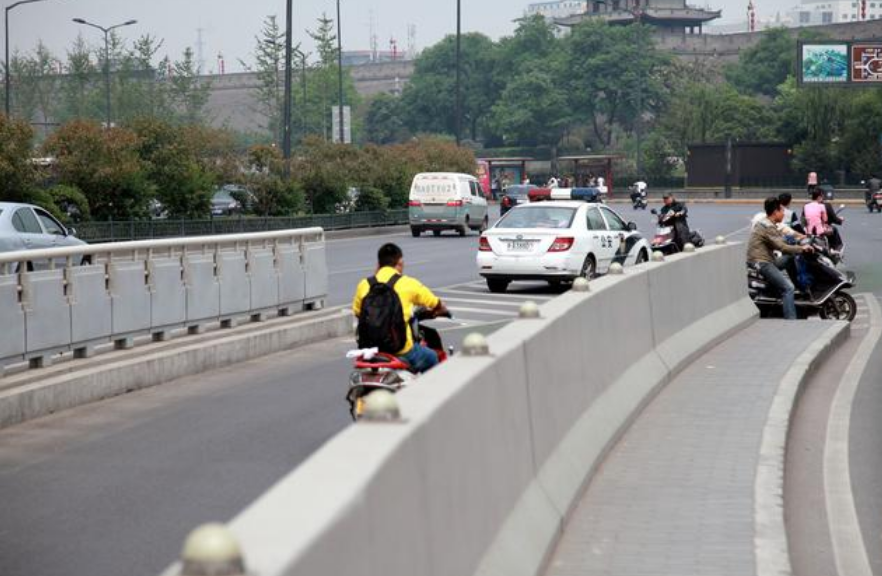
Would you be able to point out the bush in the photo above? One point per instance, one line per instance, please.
(371, 200)
(18, 175)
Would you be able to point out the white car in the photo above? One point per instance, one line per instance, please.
(28, 227)
(557, 241)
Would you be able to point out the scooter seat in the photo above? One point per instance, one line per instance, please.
(386, 361)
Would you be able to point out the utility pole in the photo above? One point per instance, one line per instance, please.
(458, 119)
(289, 40)
(340, 72)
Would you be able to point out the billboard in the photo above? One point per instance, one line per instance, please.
(839, 63)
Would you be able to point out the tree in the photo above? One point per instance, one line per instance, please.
(811, 119)
(78, 91)
(384, 123)
(188, 93)
(18, 175)
(104, 164)
(269, 54)
(533, 109)
(429, 99)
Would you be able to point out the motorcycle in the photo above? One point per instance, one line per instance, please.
(374, 370)
(874, 199)
(665, 239)
(825, 294)
(638, 197)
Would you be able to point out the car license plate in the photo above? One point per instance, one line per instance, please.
(519, 246)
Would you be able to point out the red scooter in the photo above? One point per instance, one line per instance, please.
(383, 371)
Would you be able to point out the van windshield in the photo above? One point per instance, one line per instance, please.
(544, 217)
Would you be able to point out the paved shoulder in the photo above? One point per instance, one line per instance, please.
(676, 495)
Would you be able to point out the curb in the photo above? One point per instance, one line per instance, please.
(115, 378)
(770, 533)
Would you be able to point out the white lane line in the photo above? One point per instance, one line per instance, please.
(521, 297)
(374, 268)
(474, 301)
(845, 531)
(457, 309)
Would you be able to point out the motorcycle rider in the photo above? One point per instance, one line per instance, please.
(411, 292)
(765, 238)
(638, 191)
(874, 185)
(678, 219)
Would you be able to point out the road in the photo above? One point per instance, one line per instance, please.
(114, 487)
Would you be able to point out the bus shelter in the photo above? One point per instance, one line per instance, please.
(500, 173)
(586, 168)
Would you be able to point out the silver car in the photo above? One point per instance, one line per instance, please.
(28, 227)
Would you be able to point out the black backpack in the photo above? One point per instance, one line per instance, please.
(381, 322)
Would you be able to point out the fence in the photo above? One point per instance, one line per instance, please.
(71, 299)
(131, 230)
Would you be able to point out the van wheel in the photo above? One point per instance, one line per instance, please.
(415, 232)
(462, 230)
(485, 224)
(436, 232)
(497, 285)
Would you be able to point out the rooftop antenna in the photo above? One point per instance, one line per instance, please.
(374, 43)
(200, 51)
(751, 16)
(411, 41)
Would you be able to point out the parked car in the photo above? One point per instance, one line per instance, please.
(514, 195)
(28, 227)
(223, 203)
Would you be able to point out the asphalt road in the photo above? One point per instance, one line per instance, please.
(114, 487)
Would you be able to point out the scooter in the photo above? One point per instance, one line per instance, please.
(825, 294)
(638, 197)
(379, 371)
(665, 239)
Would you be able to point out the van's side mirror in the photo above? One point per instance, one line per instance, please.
(632, 226)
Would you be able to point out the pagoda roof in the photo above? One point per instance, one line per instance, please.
(687, 16)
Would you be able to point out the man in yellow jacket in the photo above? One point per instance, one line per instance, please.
(411, 292)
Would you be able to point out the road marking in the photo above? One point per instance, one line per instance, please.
(518, 296)
(472, 301)
(457, 309)
(374, 268)
(845, 531)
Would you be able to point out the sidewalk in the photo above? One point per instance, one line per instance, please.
(676, 495)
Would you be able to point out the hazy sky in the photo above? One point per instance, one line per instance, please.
(229, 26)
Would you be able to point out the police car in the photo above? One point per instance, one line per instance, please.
(558, 240)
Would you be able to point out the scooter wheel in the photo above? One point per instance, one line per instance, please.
(840, 306)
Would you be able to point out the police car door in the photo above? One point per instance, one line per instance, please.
(601, 240)
(620, 233)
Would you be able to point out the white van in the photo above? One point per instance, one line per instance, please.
(446, 201)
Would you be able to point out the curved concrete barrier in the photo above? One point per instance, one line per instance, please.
(494, 450)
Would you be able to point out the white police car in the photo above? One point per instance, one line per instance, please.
(557, 241)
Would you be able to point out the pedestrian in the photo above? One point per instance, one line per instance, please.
(812, 182)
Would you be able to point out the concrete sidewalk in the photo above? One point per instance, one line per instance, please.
(677, 494)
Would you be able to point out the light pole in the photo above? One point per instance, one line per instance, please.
(106, 57)
(286, 140)
(6, 69)
(303, 85)
(458, 87)
(340, 72)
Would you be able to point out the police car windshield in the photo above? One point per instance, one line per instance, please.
(538, 217)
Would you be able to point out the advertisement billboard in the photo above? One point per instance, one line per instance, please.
(838, 63)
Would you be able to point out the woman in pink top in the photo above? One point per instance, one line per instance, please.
(815, 214)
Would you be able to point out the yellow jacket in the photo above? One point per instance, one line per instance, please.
(411, 292)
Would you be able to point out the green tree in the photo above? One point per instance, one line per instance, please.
(188, 93)
(79, 99)
(429, 99)
(811, 119)
(761, 68)
(533, 108)
(384, 123)
(18, 175)
(269, 55)
(104, 164)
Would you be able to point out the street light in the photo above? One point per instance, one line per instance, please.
(340, 71)
(6, 69)
(458, 87)
(302, 55)
(106, 56)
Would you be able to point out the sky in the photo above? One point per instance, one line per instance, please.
(229, 27)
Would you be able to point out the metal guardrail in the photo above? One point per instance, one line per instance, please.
(131, 230)
(77, 297)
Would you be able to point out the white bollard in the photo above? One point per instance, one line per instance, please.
(212, 550)
(721, 240)
(581, 285)
(529, 309)
(689, 247)
(381, 406)
(616, 269)
(658, 256)
(475, 345)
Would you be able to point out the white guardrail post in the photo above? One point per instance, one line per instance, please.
(74, 298)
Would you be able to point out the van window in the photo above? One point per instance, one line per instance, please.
(473, 186)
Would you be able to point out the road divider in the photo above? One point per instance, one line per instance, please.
(492, 450)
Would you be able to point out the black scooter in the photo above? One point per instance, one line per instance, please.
(638, 198)
(826, 295)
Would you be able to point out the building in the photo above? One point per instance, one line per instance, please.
(818, 12)
(559, 9)
(670, 15)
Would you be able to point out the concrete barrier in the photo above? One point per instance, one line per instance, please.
(131, 289)
(493, 451)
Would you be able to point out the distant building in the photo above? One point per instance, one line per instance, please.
(817, 12)
(362, 57)
(560, 9)
(669, 15)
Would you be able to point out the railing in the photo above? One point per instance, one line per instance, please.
(130, 230)
(74, 298)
